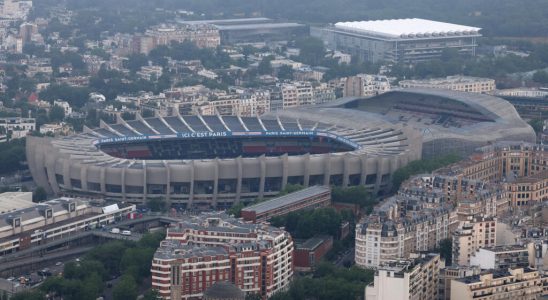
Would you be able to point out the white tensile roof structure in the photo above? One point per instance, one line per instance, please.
(408, 28)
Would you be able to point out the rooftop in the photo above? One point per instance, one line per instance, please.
(287, 199)
(400, 27)
(10, 201)
(505, 248)
(312, 243)
(258, 26)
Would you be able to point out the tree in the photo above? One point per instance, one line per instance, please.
(12, 156)
(236, 209)
(312, 50)
(355, 195)
(537, 124)
(421, 166)
(136, 262)
(39, 195)
(446, 251)
(156, 204)
(126, 289)
(56, 114)
(151, 295)
(290, 188)
(265, 66)
(541, 77)
(135, 62)
(285, 72)
(29, 295)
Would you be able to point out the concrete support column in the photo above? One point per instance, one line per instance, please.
(327, 169)
(262, 161)
(191, 192)
(103, 180)
(84, 176)
(285, 170)
(50, 169)
(239, 167)
(216, 182)
(307, 169)
(168, 183)
(346, 167)
(124, 196)
(66, 174)
(363, 160)
(145, 191)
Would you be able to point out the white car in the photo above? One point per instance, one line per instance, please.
(126, 232)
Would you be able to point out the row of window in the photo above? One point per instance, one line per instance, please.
(225, 186)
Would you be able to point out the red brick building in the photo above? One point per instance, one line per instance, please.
(308, 253)
(309, 198)
(210, 248)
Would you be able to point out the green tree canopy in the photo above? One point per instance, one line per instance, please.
(56, 114)
(39, 194)
(126, 289)
(265, 66)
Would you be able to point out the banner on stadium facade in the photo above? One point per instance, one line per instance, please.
(223, 134)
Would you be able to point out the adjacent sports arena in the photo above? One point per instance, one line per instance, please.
(214, 161)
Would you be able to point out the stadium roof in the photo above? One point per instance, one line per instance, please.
(506, 125)
(258, 26)
(406, 27)
(287, 199)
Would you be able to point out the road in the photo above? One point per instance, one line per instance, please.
(347, 256)
(54, 257)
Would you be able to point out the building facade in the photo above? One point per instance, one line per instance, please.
(309, 198)
(522, 283)
(23, 228)
(501, 258)
(244, 166)
(471, 236)
(414, 279)
(209, 248)
(400, 40)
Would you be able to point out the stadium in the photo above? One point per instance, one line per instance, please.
(449, 121)
(214, 161)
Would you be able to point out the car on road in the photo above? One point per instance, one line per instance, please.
(115, 230)
(58, 263)
(126, 232)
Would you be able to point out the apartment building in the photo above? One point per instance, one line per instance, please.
(501, 257)
(519, 167)
(413, 279)
(399, 227)
(297, 94)
(449, 273)
(521, 283)
(529, 190)
(17, 127)
(363, 85)
(209, 248)
(471, 236)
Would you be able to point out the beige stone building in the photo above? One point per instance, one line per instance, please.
(471, 236)
(515, 284)
(414, 279)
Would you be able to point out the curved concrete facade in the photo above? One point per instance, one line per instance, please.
(494, 119)
(75, 165)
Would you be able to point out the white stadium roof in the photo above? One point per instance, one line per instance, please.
(406, 27)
